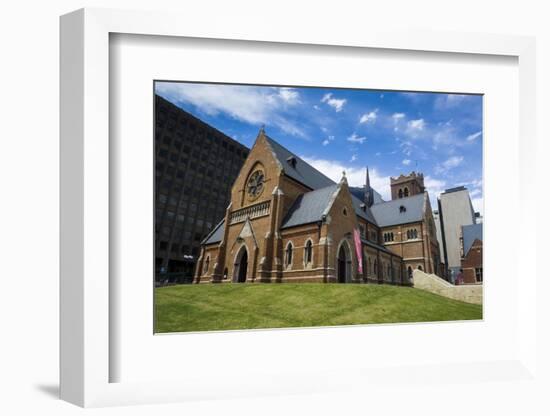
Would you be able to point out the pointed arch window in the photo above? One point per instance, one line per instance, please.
(288, 254)
(406, 192)
(308, 252)
(206, 264)
(400, 194)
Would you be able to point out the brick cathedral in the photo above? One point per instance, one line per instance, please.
(288, 222)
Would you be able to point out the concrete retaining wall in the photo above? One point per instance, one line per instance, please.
(435, 284)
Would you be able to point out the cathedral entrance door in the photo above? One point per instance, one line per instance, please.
(342, 263)
(242, 266)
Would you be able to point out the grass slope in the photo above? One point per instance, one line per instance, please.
(209, 307)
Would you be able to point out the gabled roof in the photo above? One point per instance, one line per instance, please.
(390, 212)
(301, 171)
(306, 174)
(309, 207)
(359, 192)
(366, 214)
(470, 233)
(216, 235)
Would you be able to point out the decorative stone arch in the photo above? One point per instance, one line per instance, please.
(289, 255)
(419, 267)
(240, 265)
(406, 192)
(344, 262)
(308, 250)
(400, 193)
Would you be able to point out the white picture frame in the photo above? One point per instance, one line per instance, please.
(85, 211)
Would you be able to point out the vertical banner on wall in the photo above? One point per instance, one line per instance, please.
(357, 240)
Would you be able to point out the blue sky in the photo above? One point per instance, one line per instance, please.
(343, 129)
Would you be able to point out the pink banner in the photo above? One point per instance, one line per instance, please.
(357, 239)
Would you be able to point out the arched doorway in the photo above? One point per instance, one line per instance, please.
(344, 263)
(241, 266)
(410, 272)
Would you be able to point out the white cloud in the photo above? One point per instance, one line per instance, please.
(354, 138)
(416, 124)
(477, 203)
(289, 95)
(353, 158)
(406, 162)
(449, 164)
(355, 175)
(369, 117)
(328, 140)
(434, 187)
(335, 103)
(253, 105)
(316, 107)
(397, 116)
(445, 101)
(475, 192)
(474, 136)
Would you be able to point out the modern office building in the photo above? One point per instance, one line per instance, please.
(437, 222)
(455, 210)
(195, 167)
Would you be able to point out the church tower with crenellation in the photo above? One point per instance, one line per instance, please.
(405, 186)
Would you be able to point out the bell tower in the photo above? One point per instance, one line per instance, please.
(405, 186)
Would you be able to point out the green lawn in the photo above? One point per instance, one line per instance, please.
(208, 307)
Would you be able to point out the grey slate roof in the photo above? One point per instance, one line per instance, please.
(389, 213)
(378, 247)
(469, 234)
(216, 234)
(367, 214)
(312, 178)
(302, 172)
(309, 207)
(359, 192)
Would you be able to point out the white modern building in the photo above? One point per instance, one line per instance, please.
(455, 210)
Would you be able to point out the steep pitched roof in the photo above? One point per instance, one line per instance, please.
(366, 214)
(306, 174)
(359, 192)
(301, 171)
(390, 212)
(470, 233)
(309, 207)
(216, 235)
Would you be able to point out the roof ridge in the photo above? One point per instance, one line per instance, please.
(271, 141)
(399, 199)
